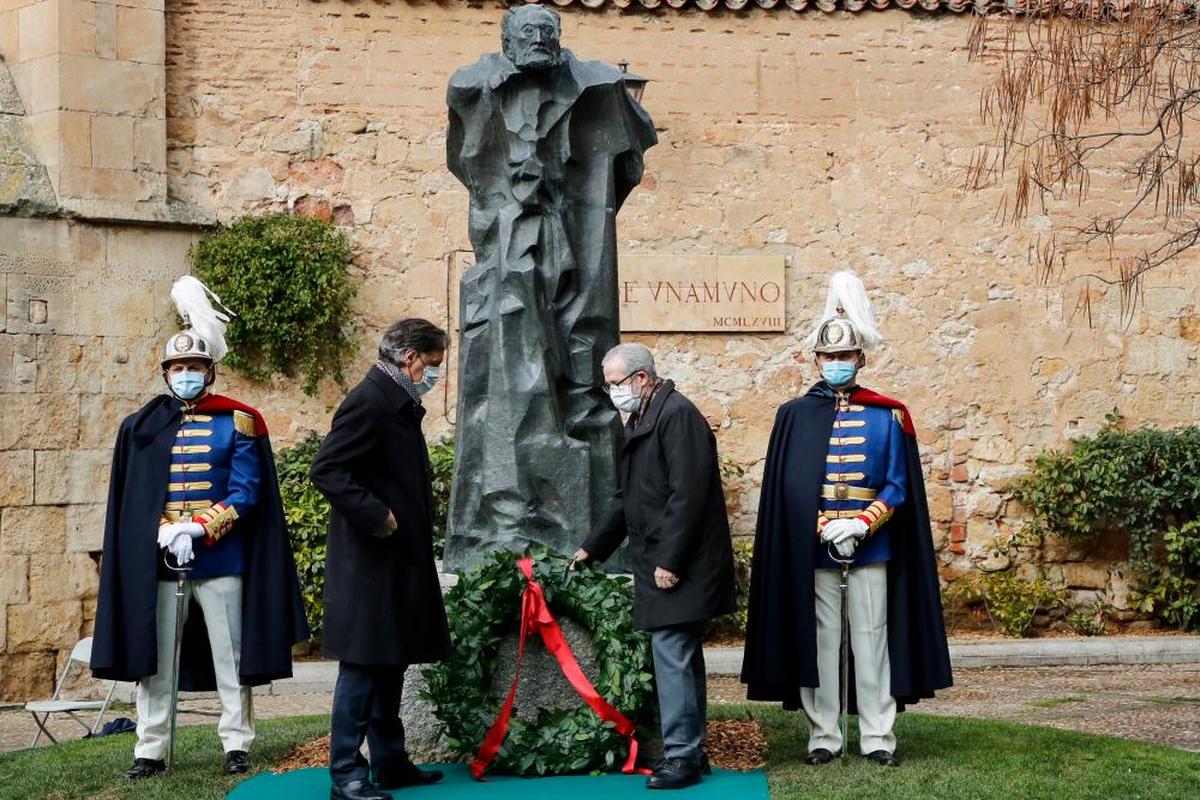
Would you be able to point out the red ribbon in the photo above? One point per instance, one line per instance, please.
(536, 617)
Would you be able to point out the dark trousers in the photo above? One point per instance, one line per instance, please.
(681, 678)
(366, 705)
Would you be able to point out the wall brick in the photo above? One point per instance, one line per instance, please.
(27, 676)
(112, 141)
(71, 476)
(42, 626)
(141, 35)
(85, 528)
(62, 576)
(16, 477)
(32, 529)
(14, 580)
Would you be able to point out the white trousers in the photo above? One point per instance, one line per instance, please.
(872, 669)
(221, 601)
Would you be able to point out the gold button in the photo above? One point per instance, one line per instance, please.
(841, 491)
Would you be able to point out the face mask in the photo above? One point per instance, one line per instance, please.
(429, 380)
(187, 385)
(838, 373)
(624, 399)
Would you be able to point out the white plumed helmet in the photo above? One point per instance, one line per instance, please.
(204, 334)
(848, 321)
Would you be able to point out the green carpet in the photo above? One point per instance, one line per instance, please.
(313, 784)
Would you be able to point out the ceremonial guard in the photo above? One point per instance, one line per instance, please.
(843, 486)
(193, 487)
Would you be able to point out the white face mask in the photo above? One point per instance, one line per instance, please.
(624, 399)
(429, 379)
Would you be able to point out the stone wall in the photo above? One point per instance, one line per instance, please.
(834, 140)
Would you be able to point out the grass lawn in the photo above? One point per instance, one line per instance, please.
(91, 768)
(943, 757)
(960, 759)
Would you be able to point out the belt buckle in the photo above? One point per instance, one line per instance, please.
(841, 491)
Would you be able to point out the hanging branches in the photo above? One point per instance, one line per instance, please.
(1088, 92)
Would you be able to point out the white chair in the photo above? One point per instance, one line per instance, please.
(82, 653)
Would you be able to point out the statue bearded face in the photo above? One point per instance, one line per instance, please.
(530, 37)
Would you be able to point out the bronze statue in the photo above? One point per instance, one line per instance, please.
(549, 148)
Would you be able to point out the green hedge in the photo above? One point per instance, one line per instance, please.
(1143, 482)
(287, 280)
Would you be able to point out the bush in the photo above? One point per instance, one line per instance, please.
(307, 514)
(286, 278)
(735, 624)
(1172, 594)
(1140, 482)
(1089, 620)
(1011, 602)
(441, 462)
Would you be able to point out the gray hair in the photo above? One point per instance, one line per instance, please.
(420, 335)
(635, 357)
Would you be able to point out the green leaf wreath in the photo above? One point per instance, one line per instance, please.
(483, 608)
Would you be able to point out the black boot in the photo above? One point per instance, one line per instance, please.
(883, 758)
(144, 768)
(360, 789)
(398, 775)
(237, 762)
(674, 773)
(818, 757)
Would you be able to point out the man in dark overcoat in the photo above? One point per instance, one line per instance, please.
(672, 509)
(383, 602)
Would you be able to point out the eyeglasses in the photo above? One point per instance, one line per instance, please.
(609, 387)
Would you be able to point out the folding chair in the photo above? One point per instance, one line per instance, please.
(82, 653)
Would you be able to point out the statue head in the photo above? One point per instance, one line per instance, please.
(529, 35)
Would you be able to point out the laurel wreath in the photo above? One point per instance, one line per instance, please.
(484, 607)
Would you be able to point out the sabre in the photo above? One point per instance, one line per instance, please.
(181, 573)
(844, 586)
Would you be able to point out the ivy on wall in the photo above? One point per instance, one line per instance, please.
(286, 278)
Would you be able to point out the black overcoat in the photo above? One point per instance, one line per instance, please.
(781, 646)
(125, 642)
(673, 510)
(383, 601)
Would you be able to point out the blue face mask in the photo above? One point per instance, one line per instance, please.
(187, 385)
(839, 373)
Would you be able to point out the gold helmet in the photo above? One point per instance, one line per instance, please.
(184, 345)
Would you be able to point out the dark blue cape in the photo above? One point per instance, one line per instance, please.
(125, 644)
(781, 643)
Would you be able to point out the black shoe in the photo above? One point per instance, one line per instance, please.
(144, 768)
(674, 773)
(237, 762)
(819, 756)
(705, 766)
(883, 758)
(360, 789)
(397, 776)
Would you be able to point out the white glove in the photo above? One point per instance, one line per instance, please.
(839, 530)
(846, 547)
(181, 548)
(169, 532)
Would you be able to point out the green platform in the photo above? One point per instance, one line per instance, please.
(313, 784)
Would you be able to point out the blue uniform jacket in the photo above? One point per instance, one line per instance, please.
(866, 476)
(214, 480)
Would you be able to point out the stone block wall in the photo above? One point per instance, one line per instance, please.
(91, 75)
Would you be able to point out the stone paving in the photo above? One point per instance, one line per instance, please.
(1154, 703)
